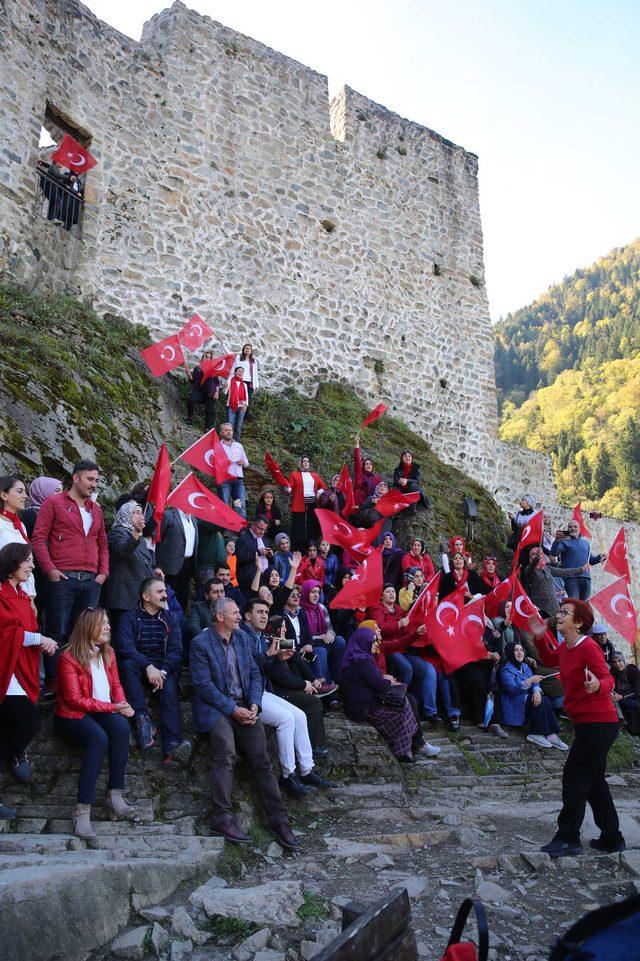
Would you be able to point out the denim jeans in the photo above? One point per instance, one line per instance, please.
(424, 681)
(97, 734)
(578, 587)
(66, 600)
(232, 490)
(235, 418)
(329, 660)
(133, 677)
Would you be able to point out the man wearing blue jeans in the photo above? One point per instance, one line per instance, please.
(575, 551)
(70, 547)
(149, 652)
(233, 490)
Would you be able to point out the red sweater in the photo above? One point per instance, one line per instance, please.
(75, 689)
(424, 562)
(59, 540)
(581, 707)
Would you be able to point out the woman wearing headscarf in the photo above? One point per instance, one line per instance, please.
(365, 479)
(537, 579)
(20, 650)
(39, 490)
(417, 556)
(406, 477)
(527, 508)
(522, 700)
(304, 485)
(368, 515)
(626, 693)
(391, 561)
(459, 578)
(364, 686)
(131, 561)
(488, 577)
(327, 646)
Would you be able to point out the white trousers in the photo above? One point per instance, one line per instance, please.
(291, 731)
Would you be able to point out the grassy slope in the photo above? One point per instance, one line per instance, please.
(57, 351)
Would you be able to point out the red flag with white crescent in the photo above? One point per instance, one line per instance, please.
(209, 456)
(162, 357)
(577, 516)
(274, 469)
(345, 486)
(195, 333)
(394, 501)
(159, 489)
(523, 610)
(192, 497)
(614, 603)
(617, 562)
(502, 592)
(455, 631)
(530, 535)
(373, 415)
(218, 367)
(364, 586)
(426, 602)
(73, 155)
(337, 531)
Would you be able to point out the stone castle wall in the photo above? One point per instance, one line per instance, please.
(221, 166)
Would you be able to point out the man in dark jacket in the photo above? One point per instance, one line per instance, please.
(149, 650)
(200, 617)
(249, 543)
(227, 700)
(234, 593)
(177, 550)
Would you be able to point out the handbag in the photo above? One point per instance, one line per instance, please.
(395, 698)
(458, 950)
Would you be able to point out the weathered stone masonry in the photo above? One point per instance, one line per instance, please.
(342, 239)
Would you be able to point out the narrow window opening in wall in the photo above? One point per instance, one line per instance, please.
(328, 225)
(59, 190)
(443, 383)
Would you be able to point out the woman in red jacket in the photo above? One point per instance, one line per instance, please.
(587, 684)
(304, 485)
(20, 646)
(417, 556)
(365, 479)
(90, 712)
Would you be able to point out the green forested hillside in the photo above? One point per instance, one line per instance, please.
(568, 373)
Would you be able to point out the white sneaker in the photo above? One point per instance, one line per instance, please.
(429, 750)
(539, 739)
(556, 742)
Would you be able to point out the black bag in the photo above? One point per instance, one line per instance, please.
(395, 698)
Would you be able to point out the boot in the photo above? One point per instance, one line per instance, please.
(117, 807)
(81, 820)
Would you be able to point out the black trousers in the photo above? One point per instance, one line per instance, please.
(181, 582)
(225, 734)
(472, 683)
(312, 707)
(583, 782)
(20, 722)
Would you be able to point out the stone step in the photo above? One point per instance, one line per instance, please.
(129, 828)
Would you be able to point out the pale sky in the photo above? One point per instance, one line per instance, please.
(547, 93)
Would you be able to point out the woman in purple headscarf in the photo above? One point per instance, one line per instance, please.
(39, 490)
(328, 647)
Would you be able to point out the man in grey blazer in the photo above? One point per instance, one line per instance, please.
(227, 699)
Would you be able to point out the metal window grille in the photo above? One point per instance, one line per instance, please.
(57, 201)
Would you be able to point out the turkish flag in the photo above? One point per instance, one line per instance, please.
(456, 630)
(577, 516)
(195, 333)
(73, 155)
(373, 415)
(531, 534)
(218, 367)
(364, 588)
(616, 606)
(209, 456)
(394, 501)
(192, 497)
(345, 486)
(274, 469)
(356, 540)
(523, 610)
(427, 600)
(159, 489)
(616, 562)
(162, 357)
(502, 592)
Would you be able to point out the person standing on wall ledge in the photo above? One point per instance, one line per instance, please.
(237, 402)
(249, 364)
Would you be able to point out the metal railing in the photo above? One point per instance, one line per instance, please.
(57, 201)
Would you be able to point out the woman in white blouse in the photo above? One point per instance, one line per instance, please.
(13, 496)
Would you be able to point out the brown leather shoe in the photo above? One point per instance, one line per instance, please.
(231, 832)
(284, 835)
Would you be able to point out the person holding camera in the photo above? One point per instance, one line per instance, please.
(572, 550)
(288, 718)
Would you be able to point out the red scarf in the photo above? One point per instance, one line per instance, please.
(16, 617)
(238, 393)
(406, 469)
(17, 523)
(491, 580)
(460, 577)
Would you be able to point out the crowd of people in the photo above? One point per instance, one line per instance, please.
(109, 623)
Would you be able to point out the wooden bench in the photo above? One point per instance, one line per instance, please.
(380, 932)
